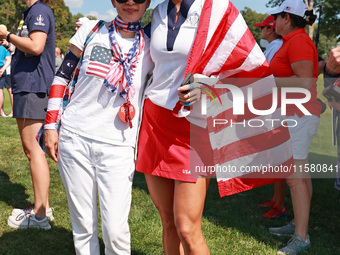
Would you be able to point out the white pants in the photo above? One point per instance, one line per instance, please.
(88, 168)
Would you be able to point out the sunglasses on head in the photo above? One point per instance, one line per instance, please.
(136, 1)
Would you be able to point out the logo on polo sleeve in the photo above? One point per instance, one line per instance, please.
(40, 20)
(193, 19)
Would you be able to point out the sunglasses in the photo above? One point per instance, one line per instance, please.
(282, 14)
(136, 1)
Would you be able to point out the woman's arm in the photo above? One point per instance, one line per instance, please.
(302, 78)
(7, 63)
(10, 47)
(34, 44)
(62, 78)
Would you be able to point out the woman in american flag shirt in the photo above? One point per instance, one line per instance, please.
(95, 146)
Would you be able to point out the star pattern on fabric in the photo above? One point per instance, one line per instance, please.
(101, 54)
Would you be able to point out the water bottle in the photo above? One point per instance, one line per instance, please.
(25, 33)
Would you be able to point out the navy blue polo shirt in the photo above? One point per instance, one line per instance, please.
(35, 73)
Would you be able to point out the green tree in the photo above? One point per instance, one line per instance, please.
(251, 17)
(63, 20)
(64, 27)
(63, 44)
(90, 17)
(325, 44)
(330, 19)
(80, 15)
(146, 19)
(11, 13)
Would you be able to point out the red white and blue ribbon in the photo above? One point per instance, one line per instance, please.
(123, 65)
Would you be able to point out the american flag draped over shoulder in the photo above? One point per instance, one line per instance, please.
(225, 48)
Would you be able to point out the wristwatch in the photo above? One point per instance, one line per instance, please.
(8, 35)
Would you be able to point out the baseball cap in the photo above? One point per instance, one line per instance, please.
(269, 21)
(82, 21)
(296, 7)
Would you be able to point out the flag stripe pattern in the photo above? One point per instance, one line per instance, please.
(233, 56)
(100, 62)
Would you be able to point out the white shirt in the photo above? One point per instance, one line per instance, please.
(272, 48)
(170, 66)
(93, 110)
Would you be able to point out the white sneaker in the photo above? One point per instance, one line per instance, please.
(28, 220)
(17, 211)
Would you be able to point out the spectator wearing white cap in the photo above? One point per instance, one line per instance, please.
(295, 64)
(80, 22)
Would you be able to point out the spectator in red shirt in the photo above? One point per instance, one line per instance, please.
(296, 65)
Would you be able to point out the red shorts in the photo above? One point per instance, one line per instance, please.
(171, 147)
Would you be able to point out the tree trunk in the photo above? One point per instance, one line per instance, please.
(310, 7)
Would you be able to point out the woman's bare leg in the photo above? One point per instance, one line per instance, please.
(40, 174)
(189, 201)
(301, 198)
(162, 194)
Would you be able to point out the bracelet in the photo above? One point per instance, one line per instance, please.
(8, 35)
(8, 46)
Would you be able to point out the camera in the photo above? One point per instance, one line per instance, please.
(332, 93)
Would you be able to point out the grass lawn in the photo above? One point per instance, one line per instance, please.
(231, 225)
